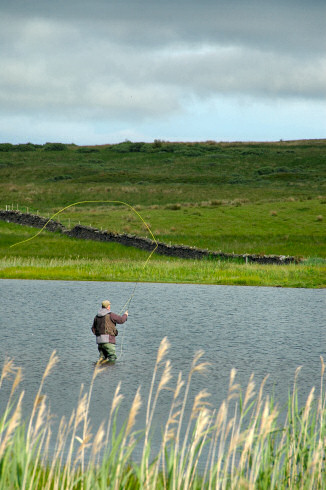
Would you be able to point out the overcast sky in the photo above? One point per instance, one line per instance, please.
(102, 71)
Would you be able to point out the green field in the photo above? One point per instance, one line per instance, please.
(55, 256)
(265, 198)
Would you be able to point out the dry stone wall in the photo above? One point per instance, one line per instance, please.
(181, 251)
(30, 220)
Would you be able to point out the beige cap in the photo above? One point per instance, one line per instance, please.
(106, 303)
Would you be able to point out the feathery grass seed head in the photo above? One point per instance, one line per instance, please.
(52, 362)
(136, 404)
(166, 376)
(164, 347)
(118, 397)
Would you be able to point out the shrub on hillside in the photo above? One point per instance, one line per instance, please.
(24, 147)
(6, 146)
(265, 171)
(147, 148)
(174, 207)
(190, 152)
(157, 143)
(121, 147)
(87, 149)
(55, 146)
(57, 178)
(136, 147)
(236, 179)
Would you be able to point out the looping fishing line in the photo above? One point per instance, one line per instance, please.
(102, 202)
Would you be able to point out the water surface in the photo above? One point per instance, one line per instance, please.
(255, 330)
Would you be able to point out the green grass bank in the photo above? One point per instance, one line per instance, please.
(55, 256)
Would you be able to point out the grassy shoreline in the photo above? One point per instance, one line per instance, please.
(57, 257)
(178, 271)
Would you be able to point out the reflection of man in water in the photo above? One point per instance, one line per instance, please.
(104, 327)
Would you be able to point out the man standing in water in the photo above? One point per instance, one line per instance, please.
(104, 327)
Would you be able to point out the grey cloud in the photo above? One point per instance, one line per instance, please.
(143, 59)
(287, 25)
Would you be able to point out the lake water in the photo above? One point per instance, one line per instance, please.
(255, 330)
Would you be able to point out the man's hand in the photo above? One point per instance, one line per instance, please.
(126, 312)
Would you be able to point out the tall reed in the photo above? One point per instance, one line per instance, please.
(239, 445)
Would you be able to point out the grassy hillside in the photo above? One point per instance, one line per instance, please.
(266, 198)
(161, 173)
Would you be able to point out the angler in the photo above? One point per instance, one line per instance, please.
(104, 327)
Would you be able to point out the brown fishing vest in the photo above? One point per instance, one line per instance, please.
(103, 325)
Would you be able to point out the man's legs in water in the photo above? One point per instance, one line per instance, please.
(107, 351)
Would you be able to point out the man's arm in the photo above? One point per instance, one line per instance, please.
(119, 319)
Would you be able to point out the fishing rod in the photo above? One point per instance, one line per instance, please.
(128, 302)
